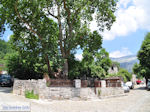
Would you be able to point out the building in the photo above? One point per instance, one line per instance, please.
(113, 69)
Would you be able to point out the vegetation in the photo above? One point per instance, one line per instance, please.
(143, 68)
(39, 39)
(23, 68)
(31, 95)
(5, 49)
(116, 64)
(123, 73)
(137, 69)
(91, 65)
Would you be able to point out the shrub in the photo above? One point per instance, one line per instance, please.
(31, 95)
(99, 92)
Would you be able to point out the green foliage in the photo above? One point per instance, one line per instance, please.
(112, 75)
(91, 65)
(35, 33)
(31, 95)
(98, 63)
(5, 49)
(125, 74)
(99, 92)
(143, 56)
(139, 71)
(75, 68)
(22, 68)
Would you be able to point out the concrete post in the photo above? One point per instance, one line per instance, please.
(121, 83)
(103, 83)
(77, 83)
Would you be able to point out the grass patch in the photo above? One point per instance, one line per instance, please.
(31, 95)
(99, 92)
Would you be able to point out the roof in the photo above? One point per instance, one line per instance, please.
(119, 78)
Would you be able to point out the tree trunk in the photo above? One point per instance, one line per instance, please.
(48, 65)
(65, 69)
(146, 81)
(62, 49)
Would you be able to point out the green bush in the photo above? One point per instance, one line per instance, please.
(31, 95)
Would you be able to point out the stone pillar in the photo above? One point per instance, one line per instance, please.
(121, 83)
(42, 88)
(77, 83)
(103, 83)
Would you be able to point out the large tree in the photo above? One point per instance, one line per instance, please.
(34, 33)
(73, 18)
(143, 56)
(138, 70)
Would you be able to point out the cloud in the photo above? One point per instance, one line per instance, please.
(123, 52)
(130, 16)
(79, 57)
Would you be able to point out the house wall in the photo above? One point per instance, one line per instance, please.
(113, 70)
(39, 87)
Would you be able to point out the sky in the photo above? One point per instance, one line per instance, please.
(127, 33)
(131, 26)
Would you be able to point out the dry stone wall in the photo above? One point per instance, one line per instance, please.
(39, 87)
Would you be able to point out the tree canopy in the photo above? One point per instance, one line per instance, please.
(5, 49)
(32, 21)
(143, 55)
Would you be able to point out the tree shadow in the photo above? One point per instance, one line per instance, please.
(6, 89)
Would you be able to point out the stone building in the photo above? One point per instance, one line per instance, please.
(113, 69)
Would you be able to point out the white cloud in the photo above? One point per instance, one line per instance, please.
(123, 52)
(79, 57)
(130, 16)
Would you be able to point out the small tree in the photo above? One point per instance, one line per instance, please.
(98, 63)
(137, 69)
(125, 74)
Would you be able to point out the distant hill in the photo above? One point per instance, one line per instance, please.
(126, 62)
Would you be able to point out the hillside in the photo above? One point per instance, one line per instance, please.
(126, 62)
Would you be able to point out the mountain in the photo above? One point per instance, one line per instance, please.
(126, 62)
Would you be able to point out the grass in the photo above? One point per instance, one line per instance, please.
(31, 95)
(99, 92)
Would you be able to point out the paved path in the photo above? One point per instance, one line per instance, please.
(138, 100)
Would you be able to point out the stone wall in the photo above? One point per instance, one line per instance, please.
(39, 87)
(113, 70)
(109, 92)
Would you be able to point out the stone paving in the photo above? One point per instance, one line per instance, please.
(138, 100)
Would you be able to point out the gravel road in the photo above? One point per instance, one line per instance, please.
(138, 100)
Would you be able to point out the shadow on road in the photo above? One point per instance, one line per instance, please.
(5, 90)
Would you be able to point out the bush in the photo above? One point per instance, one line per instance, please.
(125, 74)
(21, 68)
(31, 95)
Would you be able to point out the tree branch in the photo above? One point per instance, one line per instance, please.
(33, 31)
(60, 33)
(52, 14)
(30, 28)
